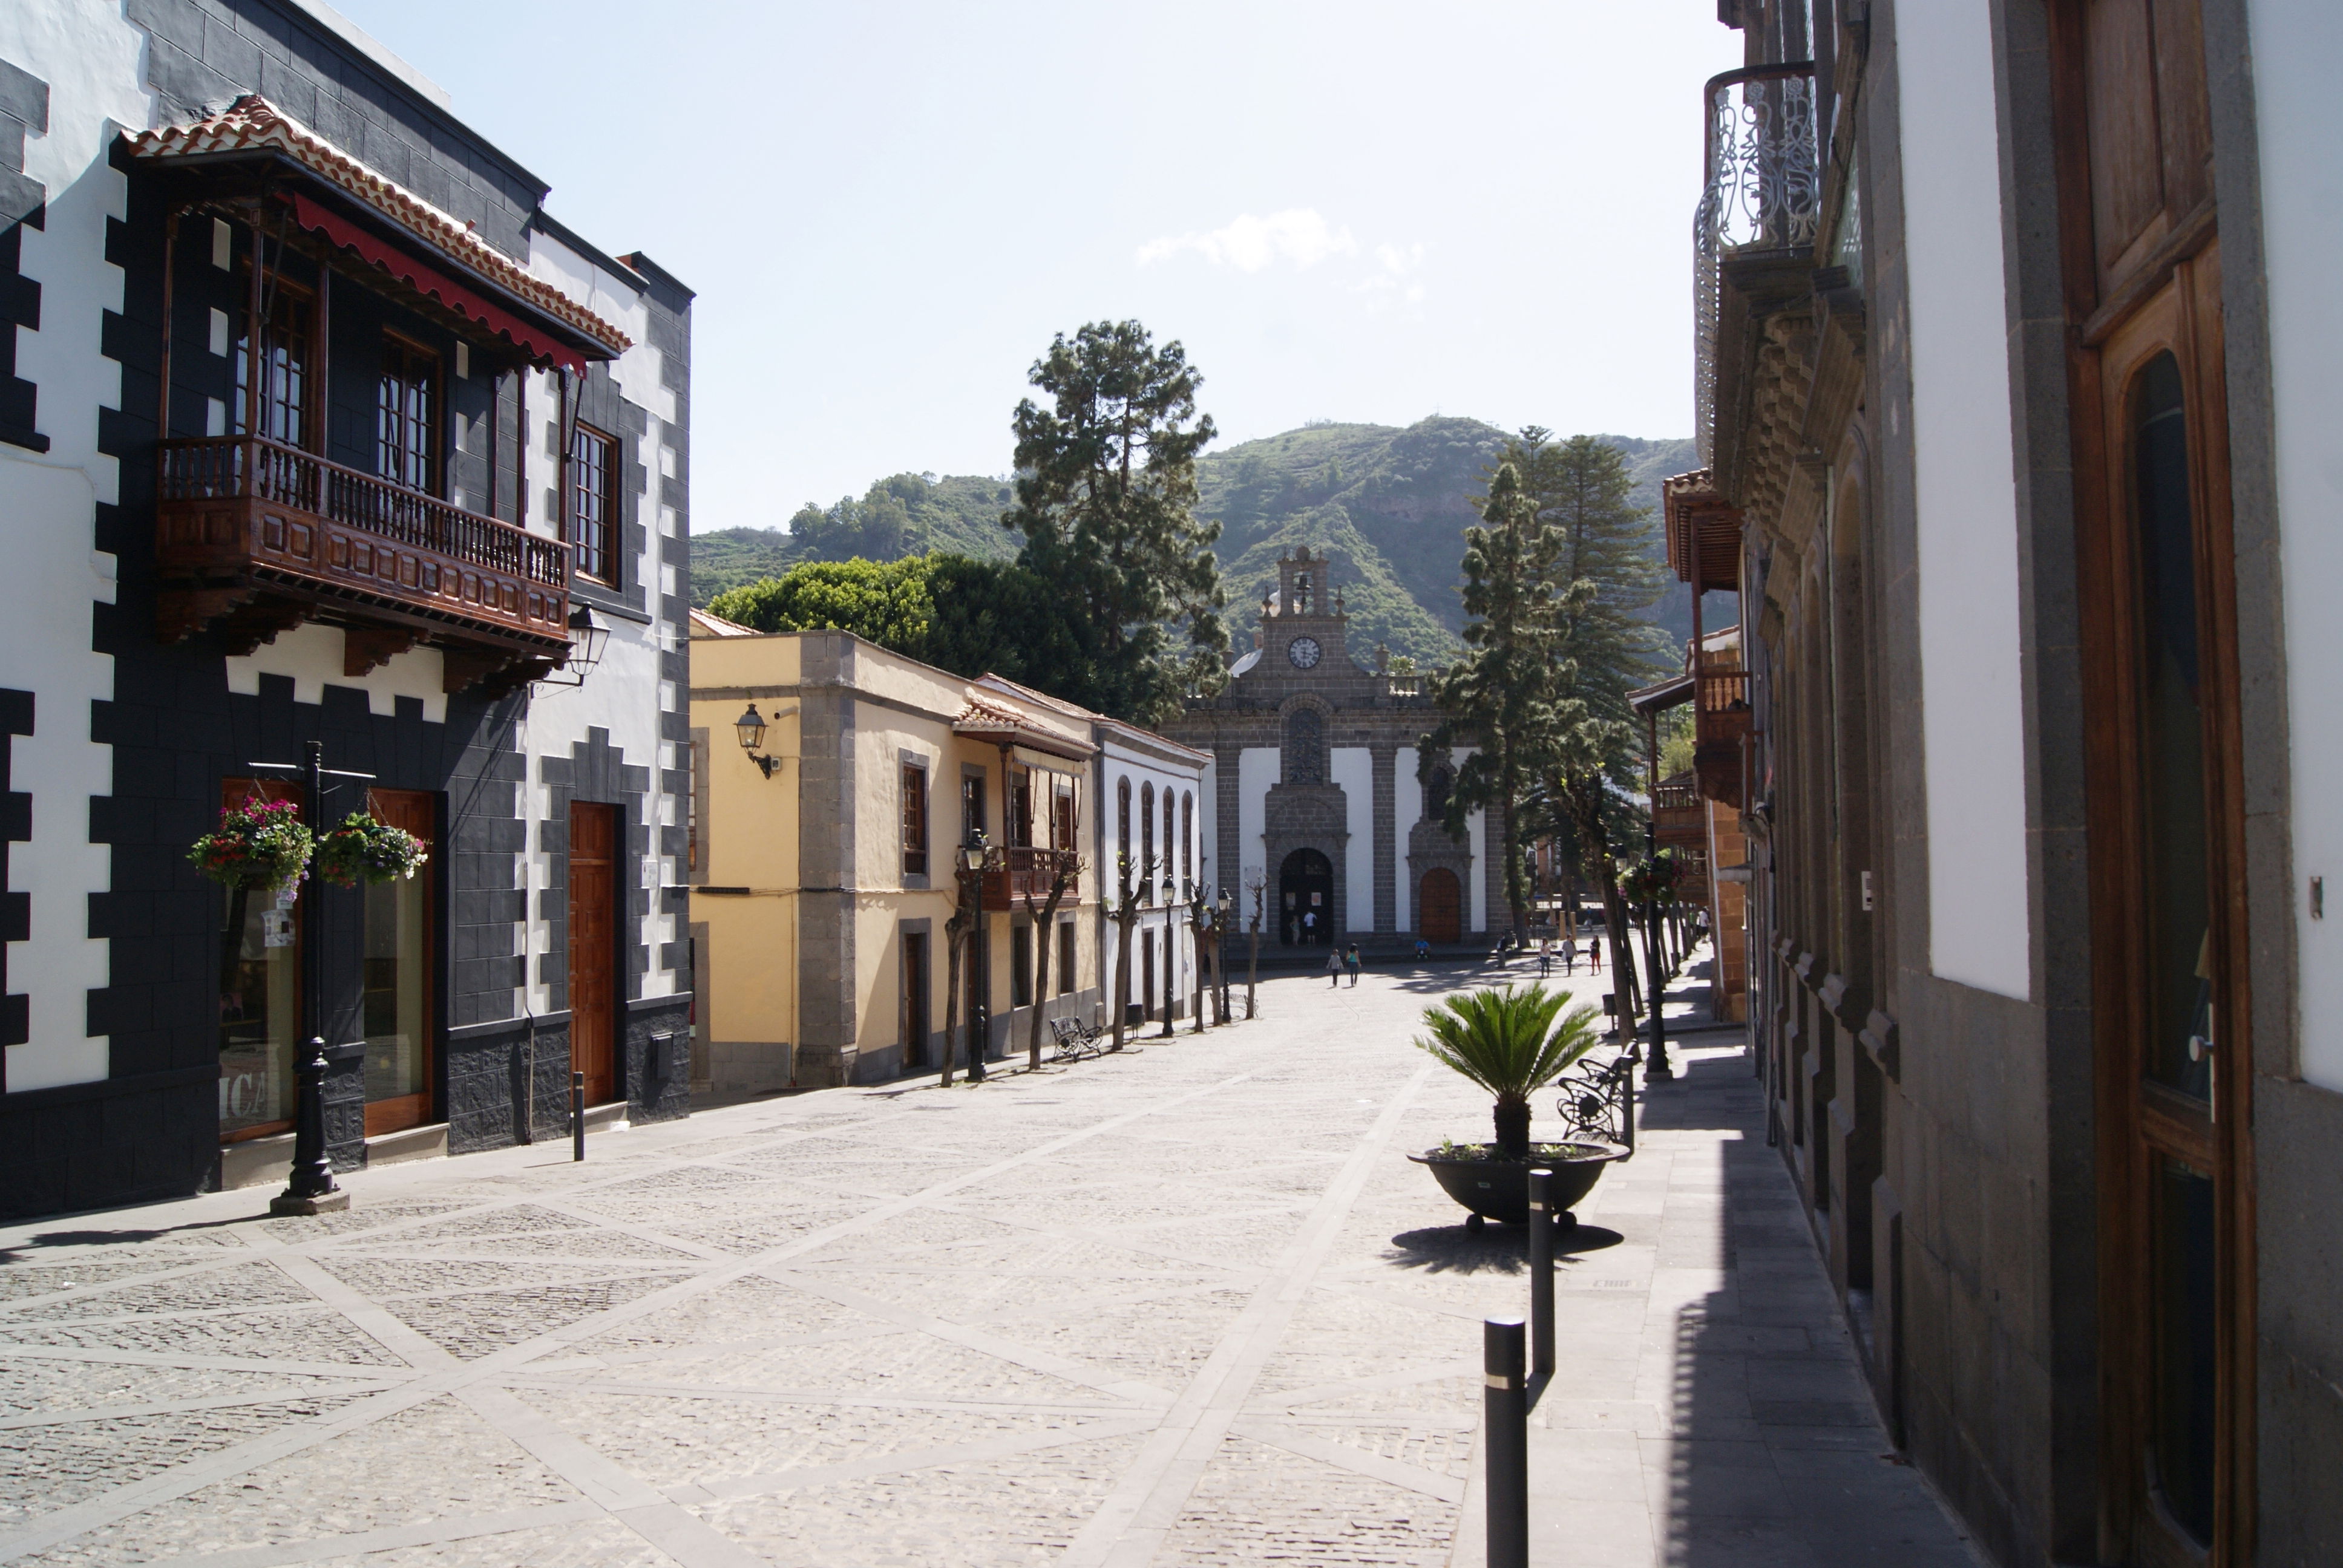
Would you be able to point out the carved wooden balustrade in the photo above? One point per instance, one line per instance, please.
(252, 536)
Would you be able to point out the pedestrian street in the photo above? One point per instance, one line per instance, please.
(1186, 1305)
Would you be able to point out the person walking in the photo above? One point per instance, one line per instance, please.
(1334, 968)
(1569, 956)
(1351, 962)
(1595, 953)
(1546, 958)
(1309, 927)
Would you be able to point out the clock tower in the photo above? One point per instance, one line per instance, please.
(1316, 802)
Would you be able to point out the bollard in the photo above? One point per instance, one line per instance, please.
(1542, 1227)
(1504, 1409)
(576, 1116)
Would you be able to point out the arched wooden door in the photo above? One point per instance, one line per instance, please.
(1441, 906)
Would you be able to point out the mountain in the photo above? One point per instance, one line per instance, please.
(1390, 505)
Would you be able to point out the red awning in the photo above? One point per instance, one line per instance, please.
(531, 341)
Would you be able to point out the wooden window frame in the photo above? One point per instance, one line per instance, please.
(914, 814)
(435, 421)
(594, 541)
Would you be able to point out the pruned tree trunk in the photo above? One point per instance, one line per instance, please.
(955, 936)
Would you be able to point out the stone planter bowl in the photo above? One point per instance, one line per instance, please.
(1499, 1189)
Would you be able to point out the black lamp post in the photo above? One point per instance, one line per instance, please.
(310, 1187)
(1657, 1065)
(973, 856)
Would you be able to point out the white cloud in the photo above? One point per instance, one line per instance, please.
(1249, 244)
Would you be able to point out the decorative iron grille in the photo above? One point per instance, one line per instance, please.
(1763, 193)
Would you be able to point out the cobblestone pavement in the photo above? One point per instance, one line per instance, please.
(1184, 1306)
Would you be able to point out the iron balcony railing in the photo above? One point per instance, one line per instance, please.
(1763, 193)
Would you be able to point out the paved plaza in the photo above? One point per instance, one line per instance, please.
(1188, 1305)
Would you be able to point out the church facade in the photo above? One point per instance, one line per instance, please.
(1317, 808)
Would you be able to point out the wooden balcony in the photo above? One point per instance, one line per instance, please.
(253, 537)
(1025, 871)
(1679, 814)
(1721, 723)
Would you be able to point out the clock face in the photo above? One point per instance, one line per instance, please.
(1305, 652)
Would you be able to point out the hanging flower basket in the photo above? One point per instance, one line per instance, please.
(259, 844)
(1652, 882)
(365, 850)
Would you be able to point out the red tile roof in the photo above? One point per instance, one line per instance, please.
(252, 122)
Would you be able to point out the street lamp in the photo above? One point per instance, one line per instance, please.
(1656, 1066)
(973, 857)
(750, 728)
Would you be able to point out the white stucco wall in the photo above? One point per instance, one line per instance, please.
(1256, 771)
(1226, 878)
(89, 55)
(2298, 48)
(1973, 700)
(1407, 811)
(1354, 768)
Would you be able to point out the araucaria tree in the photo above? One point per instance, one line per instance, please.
(1499, 696)
(1602, 647)
(1106, 496)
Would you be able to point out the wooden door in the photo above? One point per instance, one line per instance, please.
(594, 949)
(2158, 575)
(917, 1013)
(1440, 913)
(399, 1018)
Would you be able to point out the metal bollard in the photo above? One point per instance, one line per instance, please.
(1542, 1273)
(1504, 1409)
(576, 1116)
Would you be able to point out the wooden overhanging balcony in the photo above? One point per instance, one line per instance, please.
(1703, 536)
(253, 537)
(1026, 873)
(1679, 814)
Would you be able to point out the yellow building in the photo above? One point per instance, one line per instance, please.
(835, 784)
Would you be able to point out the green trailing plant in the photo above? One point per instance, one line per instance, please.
(365, 850)
(259, 844)
(1651, 882)
(1512, 1042)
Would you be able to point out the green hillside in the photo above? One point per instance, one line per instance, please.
(1390, 505)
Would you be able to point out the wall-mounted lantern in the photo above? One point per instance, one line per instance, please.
(750, 728)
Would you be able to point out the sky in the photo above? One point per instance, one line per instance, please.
(1358, 211)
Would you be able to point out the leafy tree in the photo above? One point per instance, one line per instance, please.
(1500, 695)
(1106, 496)
(970, 617)
(884, 602)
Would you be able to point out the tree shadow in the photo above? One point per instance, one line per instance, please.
(1493, 1250)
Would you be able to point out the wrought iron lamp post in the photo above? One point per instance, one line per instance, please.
(310, 1187)
(1656, 1066)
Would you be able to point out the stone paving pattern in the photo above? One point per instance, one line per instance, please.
(1185, 1306)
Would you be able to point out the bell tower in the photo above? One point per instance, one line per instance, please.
(1302, 588)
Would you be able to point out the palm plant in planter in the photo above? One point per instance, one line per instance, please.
(1512, 1042)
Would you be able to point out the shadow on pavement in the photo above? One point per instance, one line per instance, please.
(1499, 1249)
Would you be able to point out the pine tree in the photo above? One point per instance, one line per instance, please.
(1106, 496)
(1603, 648)
(1499, 696)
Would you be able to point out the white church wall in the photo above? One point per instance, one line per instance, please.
(1407, 811)
(1256, 771)
(1354, 768)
